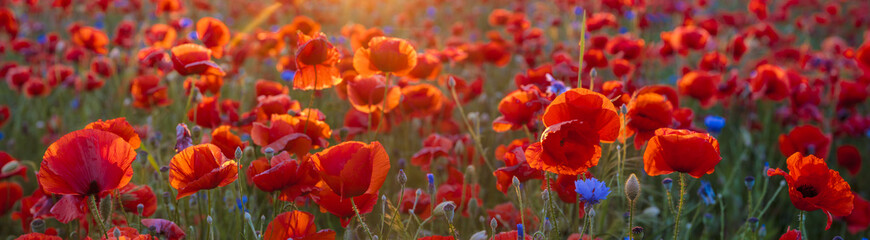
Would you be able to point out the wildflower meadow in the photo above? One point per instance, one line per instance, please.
(434, 119)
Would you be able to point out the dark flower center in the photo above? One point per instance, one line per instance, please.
(808, 191)
(93, 188)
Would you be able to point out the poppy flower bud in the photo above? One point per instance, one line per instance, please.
(37, 226)
(196, 132)
(10, 167)
(451, 82)
(668, 183)
(479, 235)
(472, 205)
(106, 207)
(493, 224)
(238, 153)
(469, 172)
(140, 208)
(632, 188)
(443, 208)
(401, 177)
(749, 181)
(516, 181)
(269, 152)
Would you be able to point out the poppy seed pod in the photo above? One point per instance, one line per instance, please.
(632, 188)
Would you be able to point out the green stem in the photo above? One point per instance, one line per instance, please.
(522, 206)
(471, 131)
(395, 216)
(680, 207)
(803, 219)
(630, 218)
(361, 222)
(95, 213)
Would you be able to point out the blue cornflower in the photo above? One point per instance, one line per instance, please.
(706, 193)
(556, 87)
(287, 75)
(591, 190)
(714, 124)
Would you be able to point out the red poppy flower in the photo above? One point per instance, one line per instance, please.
(506, 213)
(353, 168)
(428, 67)
(434, 146)
(848, 156)
(536, 76)
(10, 193)
(738, 47)
(269, 88)
(206, 113)
(859, 219)
(227, 141)
(5, 115)
(630, 48)
(103, 66)
(617, 92)
(147, 92)
(35, 87)
(267, 106)
(587, 106)
(700, 85)
(436, 237)
(16, 77)
(813, 186)
(806, 139)
(292, 177)
(791, 234)
(315, 63)
(342, 208)
(86, 162)
(89, 37)
(11, 166)
(133, 195)
(713, 61)
(685, 38)
(385, 55)
(514, 158)
(8, 22)
(124, 34)
(295, 225)
(566, 148)
(160, 35)
(297, 135)
(685, 151)
(622, 67)
(191, 58)
(646, 113)
(38, 236)
(300, 24)
(267, 44)
(512, 235)
(361, 37)
(519, 108)
(421, 100)
(58, 74)
(423, 203)
(214, 34)
(594, 58)
(200, 167)
(851, 94)
(120, 127)
(771, 82)
(366, 94)
(164, 228)
(862, 56)
(459, 193)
